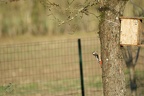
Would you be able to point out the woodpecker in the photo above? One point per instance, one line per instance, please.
(98, 58)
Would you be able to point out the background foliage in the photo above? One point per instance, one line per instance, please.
(33, 17)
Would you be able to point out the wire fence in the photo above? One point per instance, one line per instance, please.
(51, 68)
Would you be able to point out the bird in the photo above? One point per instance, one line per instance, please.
(98, 58)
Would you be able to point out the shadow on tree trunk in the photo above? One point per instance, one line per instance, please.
(131, 62)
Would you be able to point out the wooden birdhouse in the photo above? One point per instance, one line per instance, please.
(131, 31)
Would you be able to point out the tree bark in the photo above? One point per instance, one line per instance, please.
(112, 68)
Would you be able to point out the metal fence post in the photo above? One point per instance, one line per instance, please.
(81, 68)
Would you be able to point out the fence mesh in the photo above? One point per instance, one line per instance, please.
(51, 68)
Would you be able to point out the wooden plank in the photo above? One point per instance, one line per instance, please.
(141, 45)
(130, 31)
(139, 18)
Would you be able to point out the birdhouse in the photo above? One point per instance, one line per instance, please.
(131, 31)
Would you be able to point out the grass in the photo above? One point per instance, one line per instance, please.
(49, 67)
(52, 87)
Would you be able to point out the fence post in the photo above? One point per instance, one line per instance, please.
(81, 68)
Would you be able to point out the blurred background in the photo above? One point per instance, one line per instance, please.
(39, 52)
(40, 17)
(39, 55)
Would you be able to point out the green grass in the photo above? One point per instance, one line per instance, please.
(51, 68)
(31, 87)
(52, 87)
(97, 85)
(2, 91)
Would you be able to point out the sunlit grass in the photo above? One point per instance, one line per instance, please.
(52, 87)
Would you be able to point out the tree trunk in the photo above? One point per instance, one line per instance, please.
(112, 68)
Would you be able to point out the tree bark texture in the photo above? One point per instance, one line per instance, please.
(112, 68)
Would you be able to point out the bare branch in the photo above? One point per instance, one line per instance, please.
(82, 10)
(69, 3)
(48, 4)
